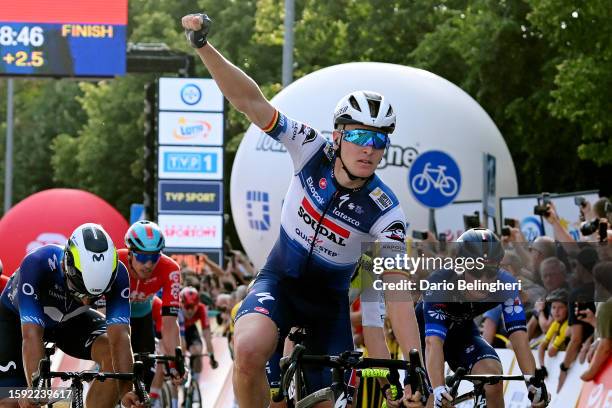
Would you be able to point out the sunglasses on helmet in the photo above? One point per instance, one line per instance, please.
(144, 257)
(363, 137)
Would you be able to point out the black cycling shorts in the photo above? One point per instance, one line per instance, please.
(74, 337)
(143, 334)
(192, 336)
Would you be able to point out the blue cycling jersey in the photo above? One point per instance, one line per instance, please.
(37, 291)
(323, 225)
(454, 313)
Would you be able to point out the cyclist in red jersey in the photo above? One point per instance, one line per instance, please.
(193, 311)
(151, 271)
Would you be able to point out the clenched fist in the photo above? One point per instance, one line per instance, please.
(196, 28)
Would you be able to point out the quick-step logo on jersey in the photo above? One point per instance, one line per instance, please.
(327, 229)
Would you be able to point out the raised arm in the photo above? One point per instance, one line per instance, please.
(240, 89)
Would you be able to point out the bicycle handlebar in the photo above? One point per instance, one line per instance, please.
(178, 359)
(454, 380)
(137, 377)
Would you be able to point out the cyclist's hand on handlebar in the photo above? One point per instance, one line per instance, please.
(538, 395)
(130, 400)
(442, 397)
(213, 363)
(177, 378)
(412, 400)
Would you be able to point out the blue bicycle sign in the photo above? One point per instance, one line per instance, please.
(434, 179)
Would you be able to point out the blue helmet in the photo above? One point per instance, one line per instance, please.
(145, 236)
(480, 243)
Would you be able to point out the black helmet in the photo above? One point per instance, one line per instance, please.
(480, 243)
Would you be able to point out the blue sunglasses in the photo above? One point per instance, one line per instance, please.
(363, 137)
(144, 257)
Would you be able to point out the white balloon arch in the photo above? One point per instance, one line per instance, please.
(432, 114)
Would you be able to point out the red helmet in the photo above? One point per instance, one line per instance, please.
(189, 296)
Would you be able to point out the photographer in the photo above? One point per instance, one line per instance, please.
(598, 227)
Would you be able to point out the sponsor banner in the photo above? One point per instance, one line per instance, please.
(597, 393)
(190, 94)
(187, 231)
(190, 128)
(197, 261)
(200, 163)
(190, 197)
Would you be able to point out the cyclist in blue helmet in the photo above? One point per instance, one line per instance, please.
(151, 271)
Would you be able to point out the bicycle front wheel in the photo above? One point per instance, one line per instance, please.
(193, 396)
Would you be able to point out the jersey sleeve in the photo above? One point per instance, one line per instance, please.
(300, 140)
(436, 319)
(172, 288)
(390, 227)
(203, 316)
(118, 298)
(28, 291)
(512, 308)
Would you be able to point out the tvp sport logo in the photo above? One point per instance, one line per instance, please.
(191, 94)
(258, 210)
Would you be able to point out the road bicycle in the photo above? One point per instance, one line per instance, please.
(480, 380)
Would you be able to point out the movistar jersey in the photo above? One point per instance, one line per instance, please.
(445, 312)
(37, 291)
(323, 225)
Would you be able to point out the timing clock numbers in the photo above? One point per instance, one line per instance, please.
(26, 36)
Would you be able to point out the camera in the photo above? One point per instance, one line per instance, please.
(422, 235)
(542, 208)
(505, 231)
(471, 221)
(580, 201)
(442, 240)
(589, 227)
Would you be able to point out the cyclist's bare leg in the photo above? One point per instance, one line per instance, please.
(197, 365)
(255, 339)
(102, 394)
(494, 393)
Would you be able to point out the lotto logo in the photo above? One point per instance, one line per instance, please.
(258, 210)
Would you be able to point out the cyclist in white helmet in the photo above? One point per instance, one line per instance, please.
(334, 204)
(47, 299)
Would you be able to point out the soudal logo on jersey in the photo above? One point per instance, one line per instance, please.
(327, 229)
(396, 230)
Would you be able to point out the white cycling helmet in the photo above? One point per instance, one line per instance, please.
(90, 261)
(365, 108)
